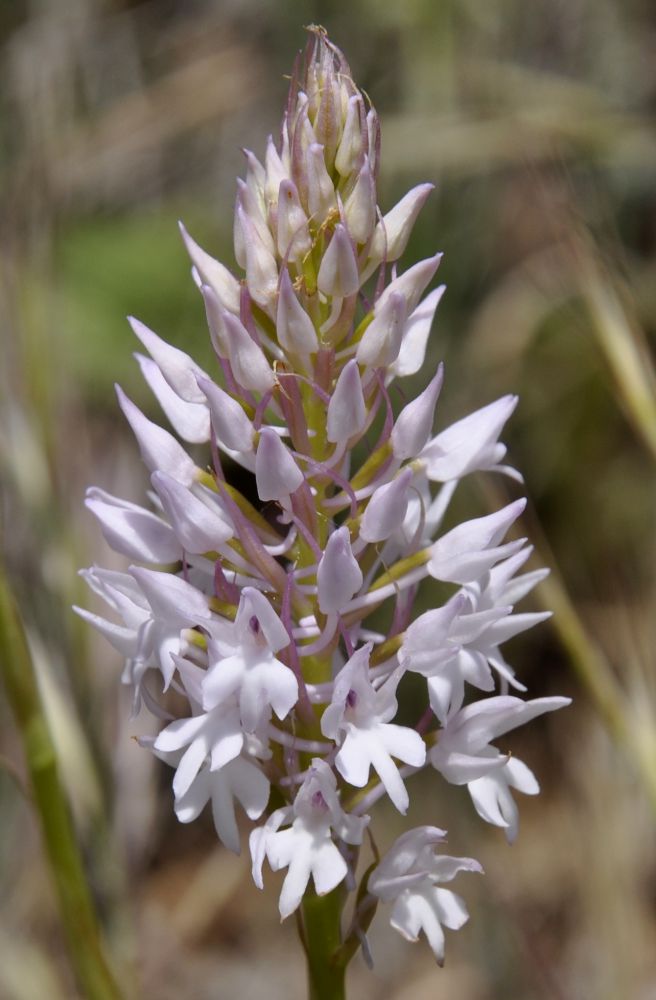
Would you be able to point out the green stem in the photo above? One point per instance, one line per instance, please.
(322, 932)
(76, 909)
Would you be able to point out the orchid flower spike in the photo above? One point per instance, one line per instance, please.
(254, 607)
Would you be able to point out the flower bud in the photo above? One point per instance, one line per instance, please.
(301, 138)
(248, 361)
(275, 172)
(214, 313)
(292, 236)
(190, 421)
(338, 574)
(255, 178)
(352, 143)
(347, 412)
(276, 473)
(200, 527)
(158, 448)
(260, 264)
(412, 282)
(213, 273)
(386, 509)
(321, 193)
(177, 367)
(328, 120)
(381, 340)
(393, 230)
(415, 422)
(360, 206)
(231, 425)
(415, 335)
(250, 206)
(338, 274)
(373, 139)
(294, 327)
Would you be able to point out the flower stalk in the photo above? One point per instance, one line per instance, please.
(322, 932)
(258, 614)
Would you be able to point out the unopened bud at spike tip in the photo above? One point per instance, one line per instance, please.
(338, 275)
(352, 144)
(292, 235)
(321, 193)
(360, 206)
(294, 327)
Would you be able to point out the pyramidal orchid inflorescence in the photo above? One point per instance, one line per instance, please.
(256, 612)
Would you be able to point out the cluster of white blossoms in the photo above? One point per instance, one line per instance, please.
(255, 612)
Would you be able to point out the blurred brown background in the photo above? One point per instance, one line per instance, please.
(536, 123)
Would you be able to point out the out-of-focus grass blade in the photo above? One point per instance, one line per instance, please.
(624, 346)
(76, 909)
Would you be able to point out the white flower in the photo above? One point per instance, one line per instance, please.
(307, 847)
(241, 780)
(156, 608)
(429, 650)
(358, 717)
(464, 756)
(242, 663)
(215, 736)
(492, 799)
(460, 641)
(409, 876)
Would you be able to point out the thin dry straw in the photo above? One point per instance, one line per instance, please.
(77, 913)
